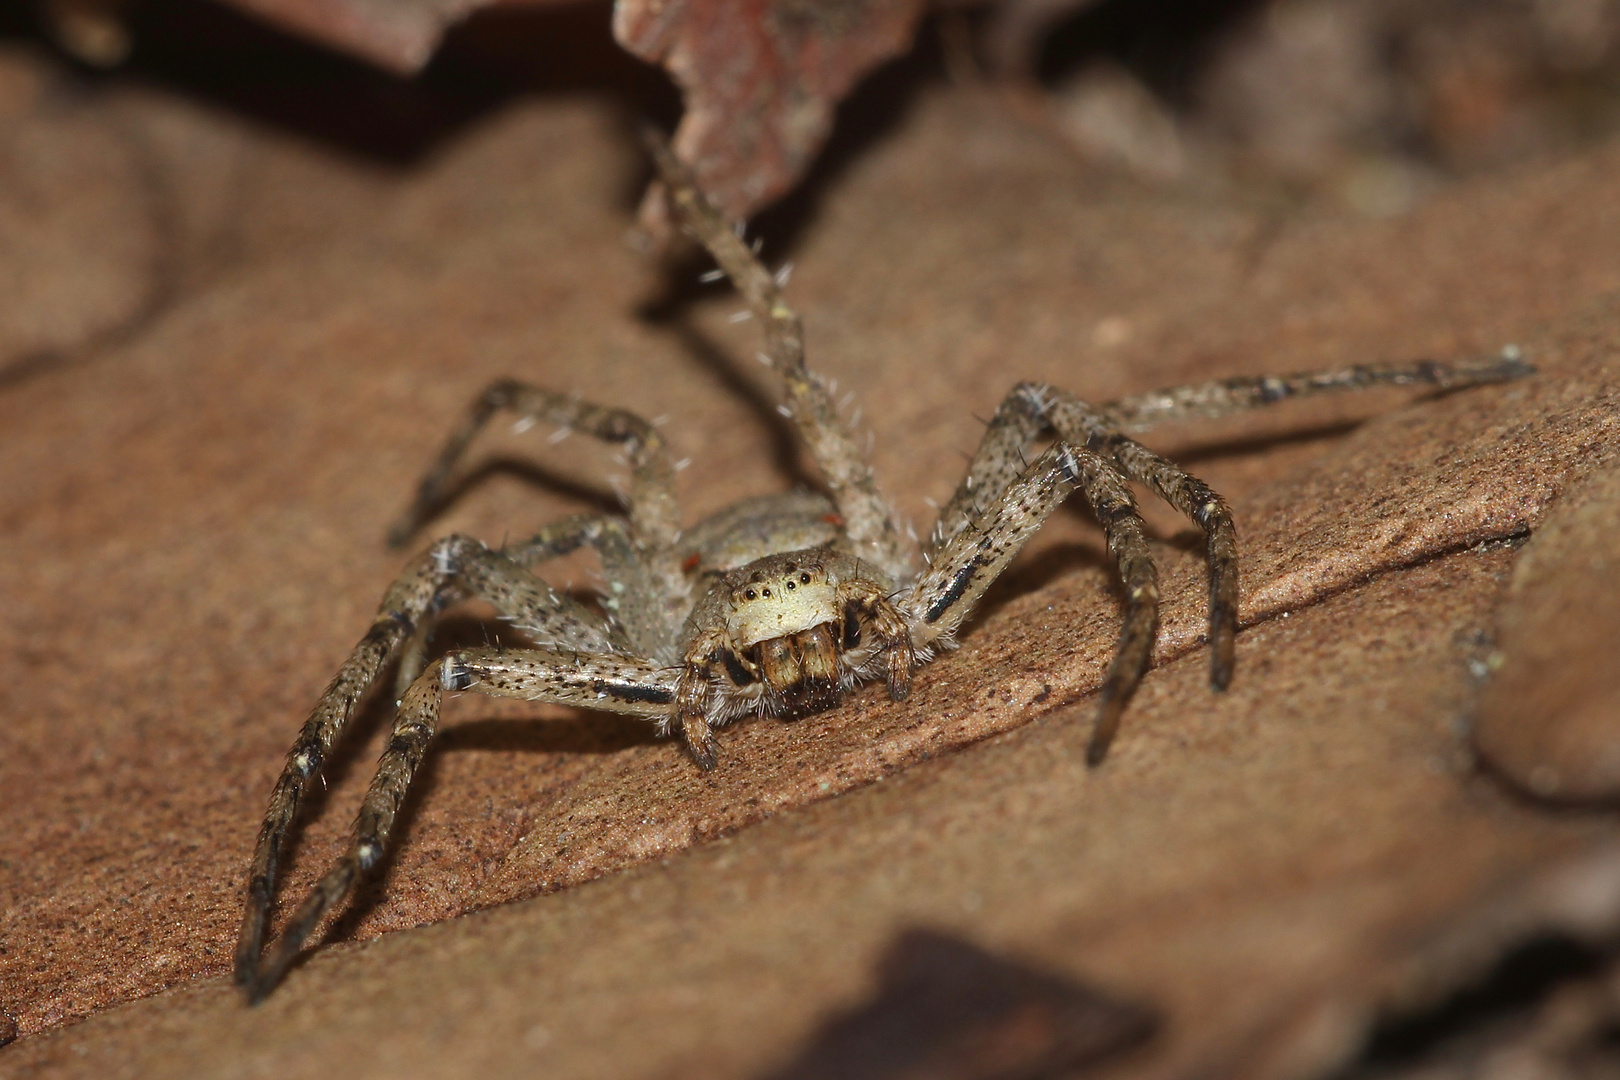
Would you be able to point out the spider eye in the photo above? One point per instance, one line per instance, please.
(804, 578)
(750, 594)
(765, 592)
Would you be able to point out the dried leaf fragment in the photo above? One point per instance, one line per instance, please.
(1550, 720)
(761, 78)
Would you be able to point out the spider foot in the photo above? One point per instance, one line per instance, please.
(699, 739)
(1102, 736)
(901, 660)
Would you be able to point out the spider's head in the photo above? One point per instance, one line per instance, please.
(784, 618)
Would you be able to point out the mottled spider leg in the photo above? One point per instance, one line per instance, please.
(705, 658)
(1213, 517)
(555, 540)
(603, 682)
(1075, 421)
(978, 553)
(455, 566)
(1141, 411)
(1003, 454)
(869, 521)
(1101, 427)
(638, 599)
(653, 512)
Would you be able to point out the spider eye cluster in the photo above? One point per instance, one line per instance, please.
(787, 584)
(780, 598)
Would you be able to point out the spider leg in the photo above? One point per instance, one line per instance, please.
(1001, 457)
(553, 541)
(454, 567)
(653, 512)
(605, 682)
(635, 595)
(1141, 411)
(648, 621)
(980, 550)
(1074, 420)
(869, 520)
(1198, 501)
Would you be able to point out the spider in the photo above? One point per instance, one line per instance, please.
(779, 605)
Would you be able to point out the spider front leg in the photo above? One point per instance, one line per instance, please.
(603, 682)
(981, 546)
(553, 541)
(1032, 411)
(1241, 393)
(639, 610)
(453, 568)
(653, 511)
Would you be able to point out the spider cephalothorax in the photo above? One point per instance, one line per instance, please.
(788, 634)
(778, 605)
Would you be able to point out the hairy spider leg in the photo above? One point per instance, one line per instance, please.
(1103, 427)
(870, 521)
(1139, 412)
(605, 682)
(1046, 410)
(647, 625)
(454, 567)
(553, 541)
(1032, 411)
(1198, 501)
(634, 594)
(981, 548)
(653, 510)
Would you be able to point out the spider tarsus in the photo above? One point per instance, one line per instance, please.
(1223, 648)
(245, 967)
(700, 741)
(254, 988)
(1500, 369)
(1102, 736)
(250, 941)
(704, 754)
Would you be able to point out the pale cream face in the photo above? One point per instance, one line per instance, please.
(779, 601)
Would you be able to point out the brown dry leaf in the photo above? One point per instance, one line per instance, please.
(761, 79)
(1550, 720)
(191, 526)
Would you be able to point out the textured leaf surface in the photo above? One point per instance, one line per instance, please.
(191, 524)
